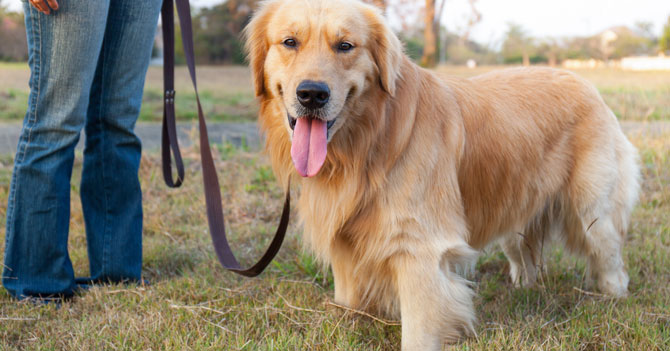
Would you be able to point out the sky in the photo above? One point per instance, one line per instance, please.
(540, 18)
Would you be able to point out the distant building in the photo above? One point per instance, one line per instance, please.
(646, 63)
(590, 63)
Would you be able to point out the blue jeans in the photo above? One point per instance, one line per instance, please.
(88, 62)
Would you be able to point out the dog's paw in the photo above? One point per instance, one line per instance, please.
(521, 276)
(613, 283)
(515, 274)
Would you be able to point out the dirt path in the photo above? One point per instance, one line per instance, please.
(247, 133)
(150, 134)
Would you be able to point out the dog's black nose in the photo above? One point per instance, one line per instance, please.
(313, 95)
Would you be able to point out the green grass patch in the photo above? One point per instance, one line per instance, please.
(14, 104)
(635, 104)
(13, 65)
(235, 107)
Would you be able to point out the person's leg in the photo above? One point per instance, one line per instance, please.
(110, 189)
(64, 50)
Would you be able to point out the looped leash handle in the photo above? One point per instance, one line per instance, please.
(170, 146)
(169, 141)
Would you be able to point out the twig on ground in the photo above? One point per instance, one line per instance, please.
(658, 315)
(547, 322)
(290, 319)
(134, 291)
(297, 308)
(335, 327)
(166, 233)
(622, 324)
(18, 319)
(567, 320)
(243, 346)
(307, 282)
(232, 291)
(217, 325)
(211, 301)
(590, 293)
(383, 321)
(197, 307)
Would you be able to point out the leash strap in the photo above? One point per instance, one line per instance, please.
(170, 147)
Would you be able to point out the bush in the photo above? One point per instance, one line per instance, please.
(13, 44)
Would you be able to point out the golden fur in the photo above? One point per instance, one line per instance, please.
(421, 171)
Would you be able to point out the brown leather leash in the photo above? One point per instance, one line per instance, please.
(170, 147)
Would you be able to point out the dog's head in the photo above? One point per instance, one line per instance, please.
(317, 58)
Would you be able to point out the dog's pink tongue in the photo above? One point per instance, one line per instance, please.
(309, 146)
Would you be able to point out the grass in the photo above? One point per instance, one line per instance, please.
(192, 304)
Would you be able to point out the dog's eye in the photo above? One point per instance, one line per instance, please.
(344, 46)
(290, 42)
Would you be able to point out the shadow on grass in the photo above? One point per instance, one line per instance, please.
(164, 261)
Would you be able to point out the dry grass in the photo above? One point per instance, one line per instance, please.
(192, 304)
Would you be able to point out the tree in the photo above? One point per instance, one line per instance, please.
(431, 32)
(664, 42)
(629, 44)
(13, 45)
(644, 29)
(517, 45)
(475, 18)
(217, 37)
(548, 50)
(459, 47)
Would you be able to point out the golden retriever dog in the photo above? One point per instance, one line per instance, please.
(404, 176)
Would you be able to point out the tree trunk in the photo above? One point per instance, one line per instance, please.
(526, 57)
(429, 58)
(552, 59)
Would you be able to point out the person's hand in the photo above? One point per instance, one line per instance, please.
(45, 6)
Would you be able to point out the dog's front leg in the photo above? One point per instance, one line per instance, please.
(342, 263)
(435, 303)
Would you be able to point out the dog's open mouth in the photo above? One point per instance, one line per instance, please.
(292, 121)
(310, 143)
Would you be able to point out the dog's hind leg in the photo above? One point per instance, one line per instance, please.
(435, 303)
(523, 248)
(523, 256)
(601, 198)
(602, 245)
(605, 259)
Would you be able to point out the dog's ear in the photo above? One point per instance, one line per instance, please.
(257, 45)
(386, 50)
